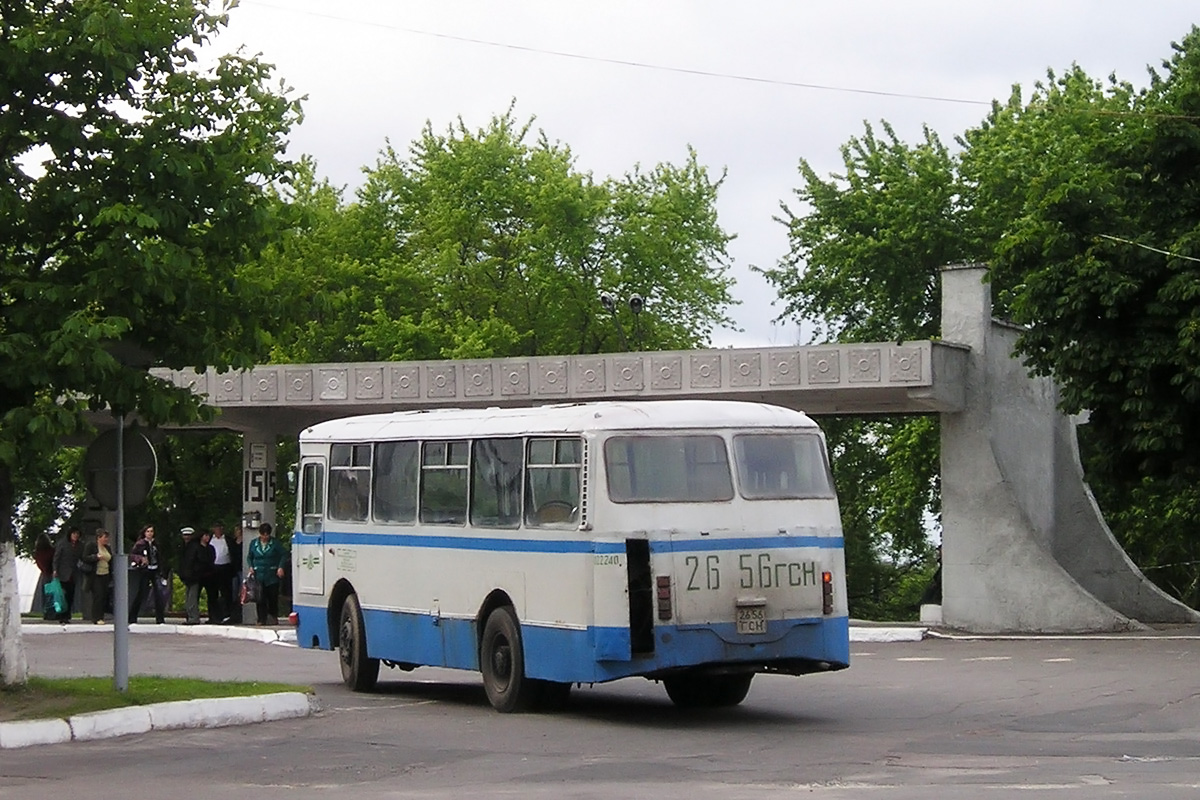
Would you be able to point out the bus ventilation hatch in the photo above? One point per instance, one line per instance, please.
(641, 596)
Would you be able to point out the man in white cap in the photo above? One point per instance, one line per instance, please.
(192, 566)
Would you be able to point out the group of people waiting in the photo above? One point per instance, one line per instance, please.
(210, 561)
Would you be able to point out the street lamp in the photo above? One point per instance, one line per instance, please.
(636, 304)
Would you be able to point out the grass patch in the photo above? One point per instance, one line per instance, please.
(56, 698)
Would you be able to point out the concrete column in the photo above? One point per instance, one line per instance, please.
(998, 474)
(258, 493)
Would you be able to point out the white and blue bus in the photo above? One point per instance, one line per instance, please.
(694, 542)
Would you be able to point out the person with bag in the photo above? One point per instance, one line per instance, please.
(67, 556)
(266, 559)
(97, 574)
(144, 569)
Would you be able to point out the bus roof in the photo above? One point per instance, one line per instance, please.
(555, 419)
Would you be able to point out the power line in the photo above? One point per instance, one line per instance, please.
(1147, 247)
(626, 63)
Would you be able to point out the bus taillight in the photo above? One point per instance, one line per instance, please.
(663, 584)
(826, 592)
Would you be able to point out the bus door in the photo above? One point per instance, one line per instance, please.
(309, 565)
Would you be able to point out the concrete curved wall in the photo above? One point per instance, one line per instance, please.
(1025, 548)
(1031, 440)
(1085, 545)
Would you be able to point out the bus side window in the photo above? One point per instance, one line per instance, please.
(552, 482)
(394, 492)
(444, 482)
(496, 483)
(349, 481)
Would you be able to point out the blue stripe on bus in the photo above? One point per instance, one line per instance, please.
(591, 655)
(561, 545)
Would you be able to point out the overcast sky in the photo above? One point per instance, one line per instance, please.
(752, 86)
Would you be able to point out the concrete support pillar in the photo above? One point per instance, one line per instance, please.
(258, 493)
(998, 486)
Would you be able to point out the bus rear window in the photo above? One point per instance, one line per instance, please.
(667, 469)
(782, 465)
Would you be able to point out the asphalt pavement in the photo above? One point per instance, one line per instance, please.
(148, 657)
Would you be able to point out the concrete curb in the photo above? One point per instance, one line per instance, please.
(872, 634)
(264, 635)
(215, 712)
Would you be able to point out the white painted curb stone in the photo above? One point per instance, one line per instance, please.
(34, 732)
(176, 715)
(878, 635)
(106, 724)
(219, 712)
(285, 705)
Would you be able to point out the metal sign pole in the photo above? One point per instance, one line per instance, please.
(120, 573)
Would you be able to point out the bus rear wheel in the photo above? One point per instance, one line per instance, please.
(359, 672)
(708, 691)
(502, 662)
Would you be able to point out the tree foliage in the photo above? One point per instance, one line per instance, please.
(866, 249)
(491, 243)
(1100, 253)
(1082, 200)
(133, 184)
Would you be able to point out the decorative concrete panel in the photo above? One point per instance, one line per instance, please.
(666, 373)
(864, 365)
(904, 365)
(590, 376)
(824, 366)
(477, 380)
(264, 385)
(406, 383)
(552, 377)
(368, 383)
(745, 369)
(440, 381)
(627, 374)
(334, 384)
(514, 380)
(197, 382)
(298, 385)
(785, 369)
(229, 388)
(706, 371)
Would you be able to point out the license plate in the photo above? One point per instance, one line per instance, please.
(751, 620)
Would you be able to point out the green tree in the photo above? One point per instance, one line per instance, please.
(864, 265)
(133, 183)
(1099, 256)
(1082, 200)
(1100, 253)
(490, 243)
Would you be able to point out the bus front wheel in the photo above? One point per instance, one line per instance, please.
(358, 671)
(708, 691)
(502, 662)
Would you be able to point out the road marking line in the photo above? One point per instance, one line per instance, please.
(989, 658)
(919, 658)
